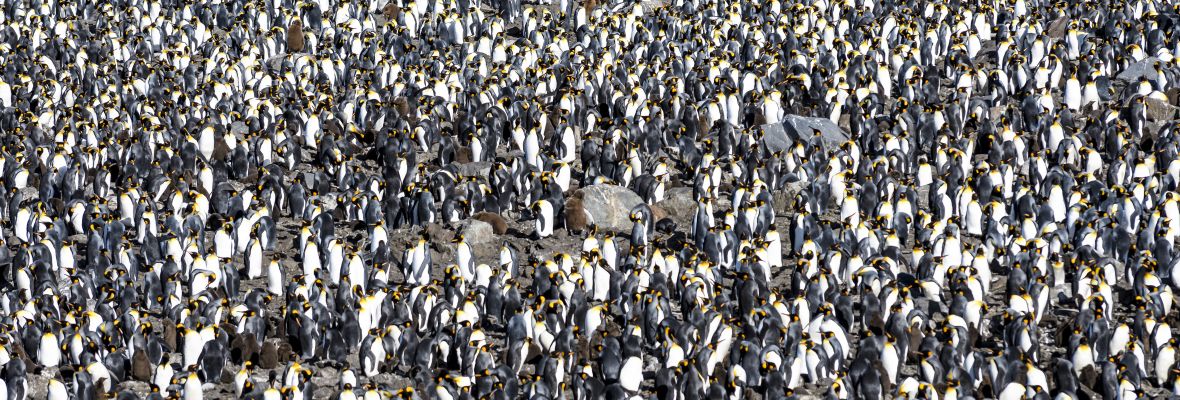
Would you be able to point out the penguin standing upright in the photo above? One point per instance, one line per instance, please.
(417, 262)
(56, 390)
(274, 278)
(192, 387)
(254, 259)
(544, 218)
(49, 351)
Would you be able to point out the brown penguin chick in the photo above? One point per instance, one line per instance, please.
(244, 348)
(575, 214)
(286, 352)
(17, 349)
(499, 226)
(170, 334)
(402, 105)
(57, 206)
(392, 11)
(220, 150)
(1058, 28)
(295, 36)
(1089, 377)
(141, 367)
(463, 155)
(102, 394)
(269, 356)
(759, 117)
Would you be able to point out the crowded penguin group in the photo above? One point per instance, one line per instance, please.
(843, 199)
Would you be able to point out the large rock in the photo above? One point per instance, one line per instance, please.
(607, 206)
(796, 128)
(478, 233)
(1144, 68)
(776, 138)
(1159, 110)
(277, 60)
(678, 204)
(478, 168)
(784, 198)
(1058, 28)
(440, 235)
(239, 128)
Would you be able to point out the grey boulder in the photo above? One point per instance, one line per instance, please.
(679, 204)
(796, 128)
(608, 206)
(477, 233)
(476, 168)
(1144, 68)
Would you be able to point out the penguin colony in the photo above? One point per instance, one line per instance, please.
(210, 199)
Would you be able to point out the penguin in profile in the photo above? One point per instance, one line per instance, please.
(643, 228)
(15, 378)
(417, 263)
(545, 218)
(274, 278)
